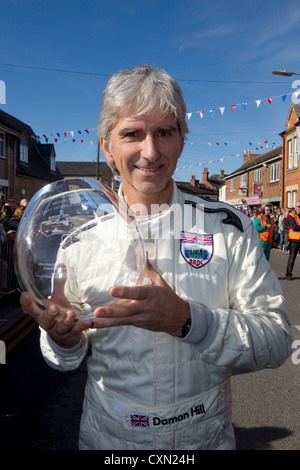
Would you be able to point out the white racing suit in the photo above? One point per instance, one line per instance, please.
(148, 390)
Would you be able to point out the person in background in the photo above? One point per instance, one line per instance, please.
(254, 214)
(283, 226)
(264, 224)
(13, 224)
(2, 233)
(23, 204)
(160, 359)
(3, 263)
(294, 239)
(275, 216)
(7, 212)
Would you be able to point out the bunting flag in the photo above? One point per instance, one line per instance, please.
(65, 135)
(73, 138)
(220, 159)
(207, 163)
(244, 105)
(258, 145)
(58, 139)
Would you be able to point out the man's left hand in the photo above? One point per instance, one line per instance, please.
(154, 307)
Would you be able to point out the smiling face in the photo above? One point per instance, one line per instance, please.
(145, 150)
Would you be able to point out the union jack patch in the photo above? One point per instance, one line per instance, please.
(141, 421)
(196, 249)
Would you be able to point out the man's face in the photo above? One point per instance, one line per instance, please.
(297, 207)
(267, 211)
(145, 150)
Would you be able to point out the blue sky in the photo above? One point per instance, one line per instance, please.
(56, 58)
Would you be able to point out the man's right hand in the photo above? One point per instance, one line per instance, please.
(63, 329)
(66, 332)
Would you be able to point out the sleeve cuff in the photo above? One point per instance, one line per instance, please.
(202, 319)
(68, 352)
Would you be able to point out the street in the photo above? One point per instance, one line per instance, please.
(40, 408)
(266, 411)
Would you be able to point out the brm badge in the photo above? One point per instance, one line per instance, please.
(196, 249)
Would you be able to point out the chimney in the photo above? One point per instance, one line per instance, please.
(205, 177)
(249, 156)
(194, 182)
(246, 155)
(222, 174)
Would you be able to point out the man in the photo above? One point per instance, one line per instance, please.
(275, 217)
(294, 239)
(283, 226)
(265, 227)
(159, 365)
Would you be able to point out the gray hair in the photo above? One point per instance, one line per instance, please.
(141, 89)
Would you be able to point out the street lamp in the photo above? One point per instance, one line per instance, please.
(284, 73)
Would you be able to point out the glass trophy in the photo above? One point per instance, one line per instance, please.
(76, 240)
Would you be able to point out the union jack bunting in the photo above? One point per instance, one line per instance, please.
(188, 237)
(140, 421)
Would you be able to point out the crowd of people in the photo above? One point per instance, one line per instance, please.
(11, 213)
(278, 228)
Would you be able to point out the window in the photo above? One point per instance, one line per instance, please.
(275, 168)
(243, 181)
(295, 152)
(232, 184)
(291, 198)
(23, 151)
(2, 154)
(257, 176)
(294, 198)
(292, 153)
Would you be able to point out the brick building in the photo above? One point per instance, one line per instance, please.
(290, 145)
(272, 177)
(26, 165)
(257, 181)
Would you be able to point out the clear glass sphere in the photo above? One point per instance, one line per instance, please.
(75, 241)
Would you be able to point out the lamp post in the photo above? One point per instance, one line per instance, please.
(284, 73)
